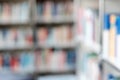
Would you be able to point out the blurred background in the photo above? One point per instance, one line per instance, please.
(59, 40)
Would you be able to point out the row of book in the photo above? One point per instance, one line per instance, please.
(111, 39)
(57, 35)
(50, 9)
(56, 60)
(23, 37)
(88, 25)
(14, 12)
(43, 60)
(16, 37)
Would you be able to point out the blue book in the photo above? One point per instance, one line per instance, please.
(71, 58)
(40, 9)
(118, 40)
(24, 12)
(106, 22)
(27, 61)
(54, 9)
(106, 28)
(6, 61)
(23, 60)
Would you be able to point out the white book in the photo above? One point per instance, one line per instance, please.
(21, 41)
(10, 38)
(1, 39)
(15, 14)
(118, 41)
(88, 26)
(24, 12)
(106, 36)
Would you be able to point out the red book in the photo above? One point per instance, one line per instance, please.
(14, 63)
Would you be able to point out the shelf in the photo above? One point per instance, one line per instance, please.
(56, 72)
(111, 6)
(57, 46)
(115, 65)
(16, 48)
(14, 23)
(13, 0)
(70, 45)
(40, 73)
(55, 20)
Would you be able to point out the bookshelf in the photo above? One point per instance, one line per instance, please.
(107, 12)
(24, 23)
(110, 31)
(45, 29)
(88, 13)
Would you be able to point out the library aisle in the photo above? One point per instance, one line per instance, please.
(59, 40)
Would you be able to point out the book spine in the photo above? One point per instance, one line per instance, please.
(24, 12)
(118, 40)
(40, 9)
(88, 26)
(6, 12)
(48, 10)
(106, 36)
(112, 37)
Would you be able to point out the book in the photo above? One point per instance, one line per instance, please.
(42, 35)
(51, 9)
(40, 8)
(6, 62)
(112, 37)
(88, 26)
(27, 62)
(117, 43)
(47, 10)
(106, 36)
(71, 59)
(6, 12)
(14, 12)
(16, 37)
(25, 9)
(14, 63)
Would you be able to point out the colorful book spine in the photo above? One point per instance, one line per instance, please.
(40, 9)
(71, 59)
(6, 12)
(112, 37)
(24, 12)
(6, 62)
(106, 36)
(47, 10)
(89, 26)
(14, 63)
